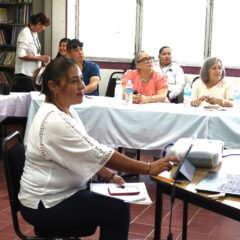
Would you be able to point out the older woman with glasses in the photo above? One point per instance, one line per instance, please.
(150, 85)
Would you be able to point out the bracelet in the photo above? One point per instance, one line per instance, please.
(148, 168)
(110, 178)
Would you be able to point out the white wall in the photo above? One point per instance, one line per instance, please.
(58, 24)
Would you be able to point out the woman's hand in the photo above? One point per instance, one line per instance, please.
(140, 99)
(45, 59)
(136, 98)
(161, 165)
(198, 102)
(214, 100)
(117, 179)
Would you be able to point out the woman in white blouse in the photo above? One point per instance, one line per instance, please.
(61, 159)
(175, 74)
(212, 88)
(28, 53)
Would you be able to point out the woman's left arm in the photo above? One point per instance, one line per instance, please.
(220, 101)
(160, 96)
(109, 176)
(161, 85)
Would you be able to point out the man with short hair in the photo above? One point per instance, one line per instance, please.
(90, 70)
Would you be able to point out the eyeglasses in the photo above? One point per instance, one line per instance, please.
(146, 60)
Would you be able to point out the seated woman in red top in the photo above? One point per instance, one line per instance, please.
(150, 85)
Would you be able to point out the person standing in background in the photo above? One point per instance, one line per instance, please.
(90, 70)
(176, 78)
(62, 47)
(28, 53)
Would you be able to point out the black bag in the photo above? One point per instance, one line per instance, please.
(4, 88)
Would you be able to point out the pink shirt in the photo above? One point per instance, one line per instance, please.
(158, 81)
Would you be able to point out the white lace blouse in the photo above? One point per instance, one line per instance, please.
(60, 158)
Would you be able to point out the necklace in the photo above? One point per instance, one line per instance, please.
(145, 79)
(36, 42)
(142, 87)
(168, 68)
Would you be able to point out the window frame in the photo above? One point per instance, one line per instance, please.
(138, 34)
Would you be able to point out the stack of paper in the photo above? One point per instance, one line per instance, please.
(141, 198)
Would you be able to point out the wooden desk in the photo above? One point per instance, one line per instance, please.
(229, 206)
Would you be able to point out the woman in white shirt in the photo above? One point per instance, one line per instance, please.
(28, 53)
(61, 158)
(175, 74)
(212, 88)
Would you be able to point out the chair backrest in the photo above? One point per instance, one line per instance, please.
(195, 79)
(112, 83)
(13, 161)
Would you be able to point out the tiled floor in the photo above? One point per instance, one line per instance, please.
(202, 225)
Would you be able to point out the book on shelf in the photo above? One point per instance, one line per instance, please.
(5, 77)
(2, 37)
(9, 59)
(3, 15)
(15, 32)
(3, 55)
(12, 59)
(24, 1)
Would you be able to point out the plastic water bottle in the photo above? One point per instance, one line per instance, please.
(187, 92)
(118, 91)
(129, 92)
(236, 98)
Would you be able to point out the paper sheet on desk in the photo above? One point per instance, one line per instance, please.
(142, 198)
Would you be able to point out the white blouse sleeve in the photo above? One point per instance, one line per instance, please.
(65, 141)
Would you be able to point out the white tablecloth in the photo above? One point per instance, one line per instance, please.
(150, 126)
(14, 105)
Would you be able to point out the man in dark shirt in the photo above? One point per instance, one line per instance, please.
(90, 70)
